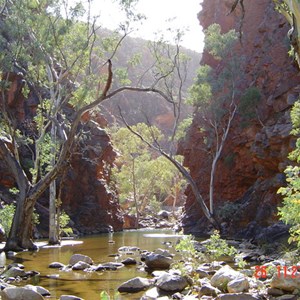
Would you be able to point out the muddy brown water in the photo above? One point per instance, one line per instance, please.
(99, 248)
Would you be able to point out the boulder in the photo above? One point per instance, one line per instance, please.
(157, 261)
(39, 289)
(275, 292)
(80, 257)
(163, 252)
(286, 283)
(134, 285)
(14, 272)
(22, 293)
(223, 276)
(288, 297)
(238, 285)
(171, 283)
(208, 290)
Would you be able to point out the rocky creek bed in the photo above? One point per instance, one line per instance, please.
(265, 278)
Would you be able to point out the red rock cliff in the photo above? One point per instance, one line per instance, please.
(252, 163)
(86, 195)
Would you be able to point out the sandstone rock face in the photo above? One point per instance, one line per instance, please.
(86, 195)
(251, 166)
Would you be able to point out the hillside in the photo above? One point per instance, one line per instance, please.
(135, 106)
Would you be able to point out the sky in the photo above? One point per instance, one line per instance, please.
(182, 12)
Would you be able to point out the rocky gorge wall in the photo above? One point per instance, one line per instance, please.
(250, 170)
(86, 196)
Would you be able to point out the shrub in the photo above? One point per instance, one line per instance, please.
(228, 211)
(217, 247)
(6, 217)
(248, 103)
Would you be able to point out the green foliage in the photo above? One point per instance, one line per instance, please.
(218, 44)
(35, 218)
(241, 263)
(14, 191)
(200, 93)
(248, 103)
(228, 211)
(183, 128)
(217, 247)
(289, 212)
(64, 220)
(153, 177)
(6, 217)
(186, 246)
(154, 205)
(212, 90)
(104, 296)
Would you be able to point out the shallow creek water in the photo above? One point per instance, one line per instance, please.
(98, 247)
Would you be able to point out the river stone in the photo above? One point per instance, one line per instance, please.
(237, 296)
(202, 273)
(4, 285)
(157, 261)
(16, 265)
(238, 285)
(286, 283)
(80, 265)
(80, 257)
(38, 289)
(69, 297)
(134, 285)
(112, 266)
(209, 290)
(275, 292)
(152, 294)
(223, 276)
(288, 297)
(158, 273)
(129, 261)
(171, 283)
(14, 272)
(128, 249)
(97, 268)
(56, 265)
(163, 214)
(22, 293)
(163, 252)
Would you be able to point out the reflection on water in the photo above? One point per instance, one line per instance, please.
(99, 248)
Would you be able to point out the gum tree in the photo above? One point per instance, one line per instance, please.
(63, 62)
(215, 94)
